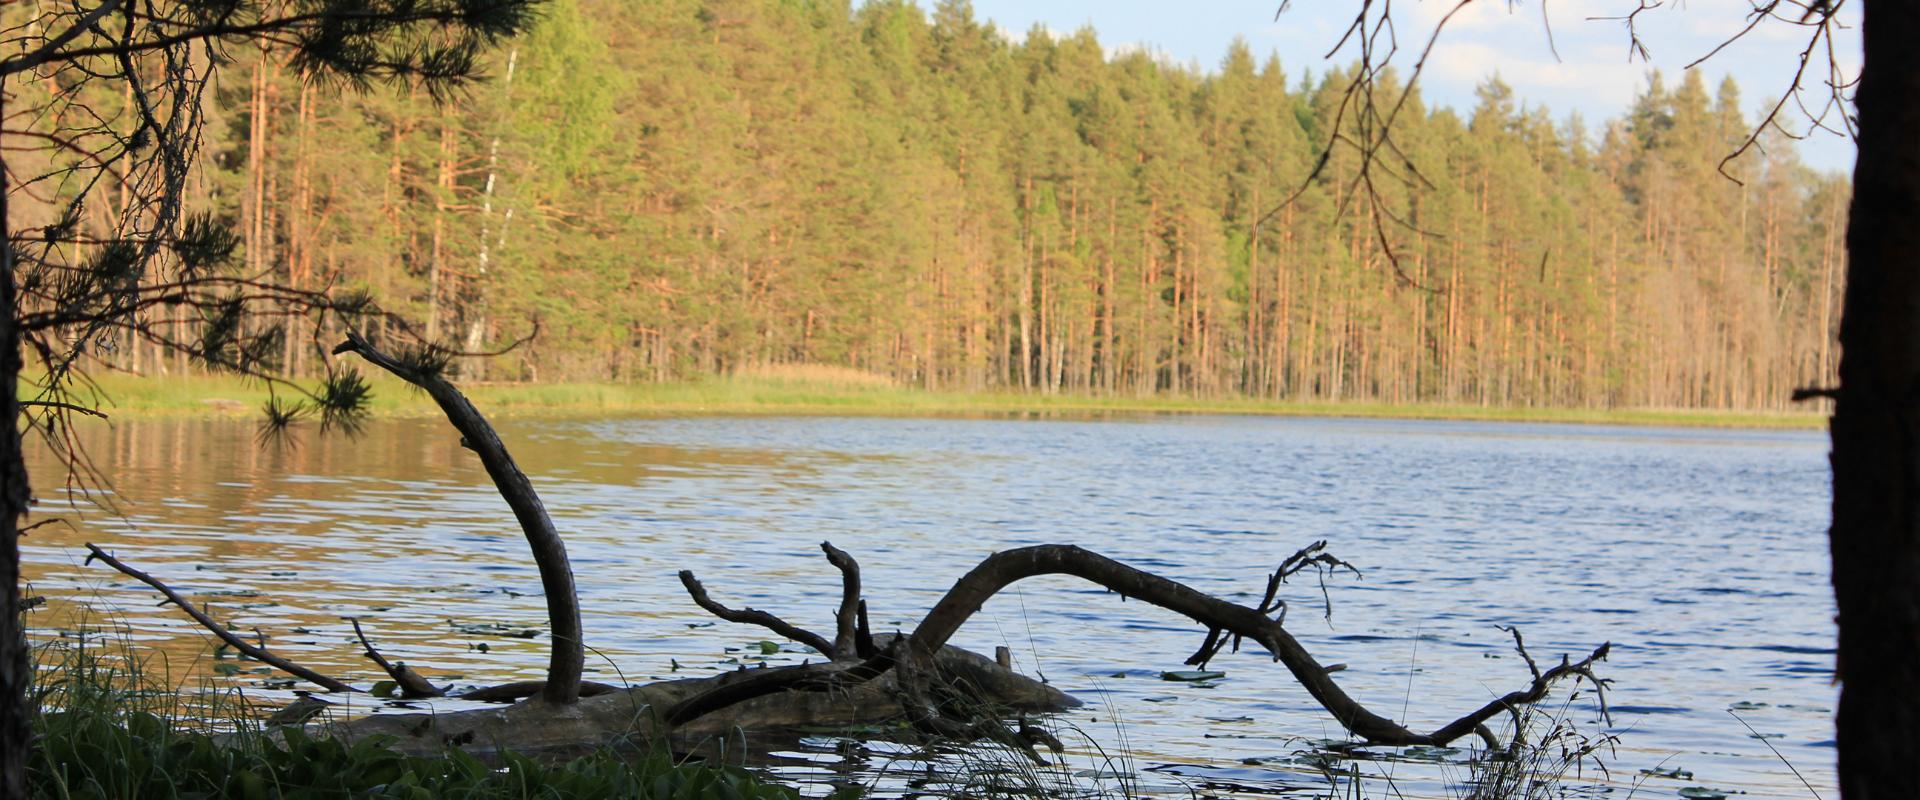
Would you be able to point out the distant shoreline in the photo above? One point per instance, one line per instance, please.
(132, 398)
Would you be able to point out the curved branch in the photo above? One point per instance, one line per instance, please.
(569, 657)
(846, 622)
(751, 616)
(259, 654)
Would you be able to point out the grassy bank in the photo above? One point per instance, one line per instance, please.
(823, 391)
(109, 730)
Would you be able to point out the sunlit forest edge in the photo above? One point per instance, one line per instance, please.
(693, 201)
(801, 392)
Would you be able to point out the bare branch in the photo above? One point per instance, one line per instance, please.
(846, 622)
(749, 616)
(256, 653)
(410, 683)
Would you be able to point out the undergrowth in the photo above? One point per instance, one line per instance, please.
(109, 730)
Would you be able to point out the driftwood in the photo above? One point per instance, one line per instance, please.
(917, 678)
(412, 686)
(910, 677)
(259, 654)
(569, 657)
(1005, 568)
(630, 717)
(410, 683)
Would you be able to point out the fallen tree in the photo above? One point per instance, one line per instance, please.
(915, 678)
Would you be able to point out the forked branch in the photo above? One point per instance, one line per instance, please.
(851, 639)
(751, 616)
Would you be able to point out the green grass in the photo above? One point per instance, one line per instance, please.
(805, 393)
(108, 729)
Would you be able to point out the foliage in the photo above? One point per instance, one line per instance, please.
(109, 731)
(687, 189)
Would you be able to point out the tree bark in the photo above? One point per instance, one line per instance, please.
(15, 668)
(568, 658)
(1876, 421)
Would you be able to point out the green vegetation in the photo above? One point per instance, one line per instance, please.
(807, 392)
(110, 731)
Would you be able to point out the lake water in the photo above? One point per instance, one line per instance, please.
(1700, 554)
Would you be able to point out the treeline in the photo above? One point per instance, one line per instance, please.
(688, 187)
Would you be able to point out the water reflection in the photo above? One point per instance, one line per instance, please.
(1699, 553)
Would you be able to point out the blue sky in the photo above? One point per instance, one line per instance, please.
(1592, 75)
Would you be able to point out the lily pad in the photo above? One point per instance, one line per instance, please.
(1190, 675)
(1703, 793)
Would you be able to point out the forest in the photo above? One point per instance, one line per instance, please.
(671, 190)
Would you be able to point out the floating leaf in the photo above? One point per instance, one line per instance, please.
(1192, 675)
(768, 648)
(1703, 793)
(224, 668)
(384, 689)
(1747, 705)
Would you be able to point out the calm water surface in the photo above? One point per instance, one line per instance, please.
(1700, 554)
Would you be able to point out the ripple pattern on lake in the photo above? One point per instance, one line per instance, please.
(1700, 554)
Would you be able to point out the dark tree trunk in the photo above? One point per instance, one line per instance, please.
(15, 736)
(1876, 424)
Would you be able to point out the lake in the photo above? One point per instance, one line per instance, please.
(1701, 554)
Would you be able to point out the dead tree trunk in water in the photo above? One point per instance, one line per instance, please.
(1876, 426)
(1235, 621)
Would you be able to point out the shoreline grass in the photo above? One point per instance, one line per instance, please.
(777, 394)
(108, 728)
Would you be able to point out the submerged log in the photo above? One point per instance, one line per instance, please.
(631, 718)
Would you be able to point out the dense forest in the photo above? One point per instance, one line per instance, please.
(675, 189)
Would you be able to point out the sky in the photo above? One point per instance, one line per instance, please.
(1592, 73)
